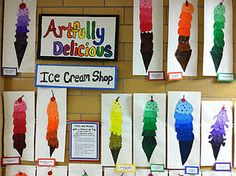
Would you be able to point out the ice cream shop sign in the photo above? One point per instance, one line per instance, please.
(77, 37)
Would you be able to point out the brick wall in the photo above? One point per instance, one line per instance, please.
(85, 104)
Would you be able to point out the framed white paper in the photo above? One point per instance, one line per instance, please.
(19, 117)
(145, 172)
(116, 129)
(183, 129)
(16, 170)
(140, 107)
(216, 145)
(19, 35)
(84, 141)
(51, 103)
(221, 40)
(68, 76)
(82, 169)
(147, 36)
(77, 37)
(59, 171)
(183, 37)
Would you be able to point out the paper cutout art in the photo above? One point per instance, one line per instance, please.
(21, 174)
(19, 123)
(218, 133)
(184, 51)
(50, 173)
(149, 126)
(21, 32)
(53, 121)
(85, 173)
(219, 43)
(184, 127)
(115, 143)
(85, 169)
(146, 34)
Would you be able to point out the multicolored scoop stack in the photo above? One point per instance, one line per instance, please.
(219, 43)
(218, 132)
(19, 122)
(53, 122)
(21, 32)
(115, 143)
(184, 128)
(149, 128)
(146, 34)
(184, 51)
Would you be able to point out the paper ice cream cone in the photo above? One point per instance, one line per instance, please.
(115, 153)
(51, 150)
(185, 149)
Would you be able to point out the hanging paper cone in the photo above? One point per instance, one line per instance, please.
(149, 144)
(52, 150)
(115, 153)
(21, 32)
(184, 128)
(218, 133)
(20, 51)
(184, 51)
(115, 140)
(146, 48)
(53, 122)
(185, 149)
(219, 24)
(149, 126)
(146, 35)
(19, 123)
(183, 58)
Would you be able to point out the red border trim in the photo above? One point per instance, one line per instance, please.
(170, 73)
(19, 159)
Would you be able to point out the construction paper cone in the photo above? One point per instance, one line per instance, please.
(20, 51)
(183, 58)
(115, 154)
(146, 48)
(216, 149)
(185, 149)
(52, 150)
(20, 151)
(149, 144)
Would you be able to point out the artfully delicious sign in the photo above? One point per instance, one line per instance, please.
(77, 37)
(67, 76)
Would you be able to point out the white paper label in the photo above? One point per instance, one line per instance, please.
(125, 168)
(157, 167)
(10, 161)
(192, 170)
(222, 166)
(156, 75)
(175, 76)
(225, 77)
(6, 71)
(46, 162)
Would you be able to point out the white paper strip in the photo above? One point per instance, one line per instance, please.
(226, 64)
(156, 63)
(43, 99)
(172, 63)
(11, 22)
